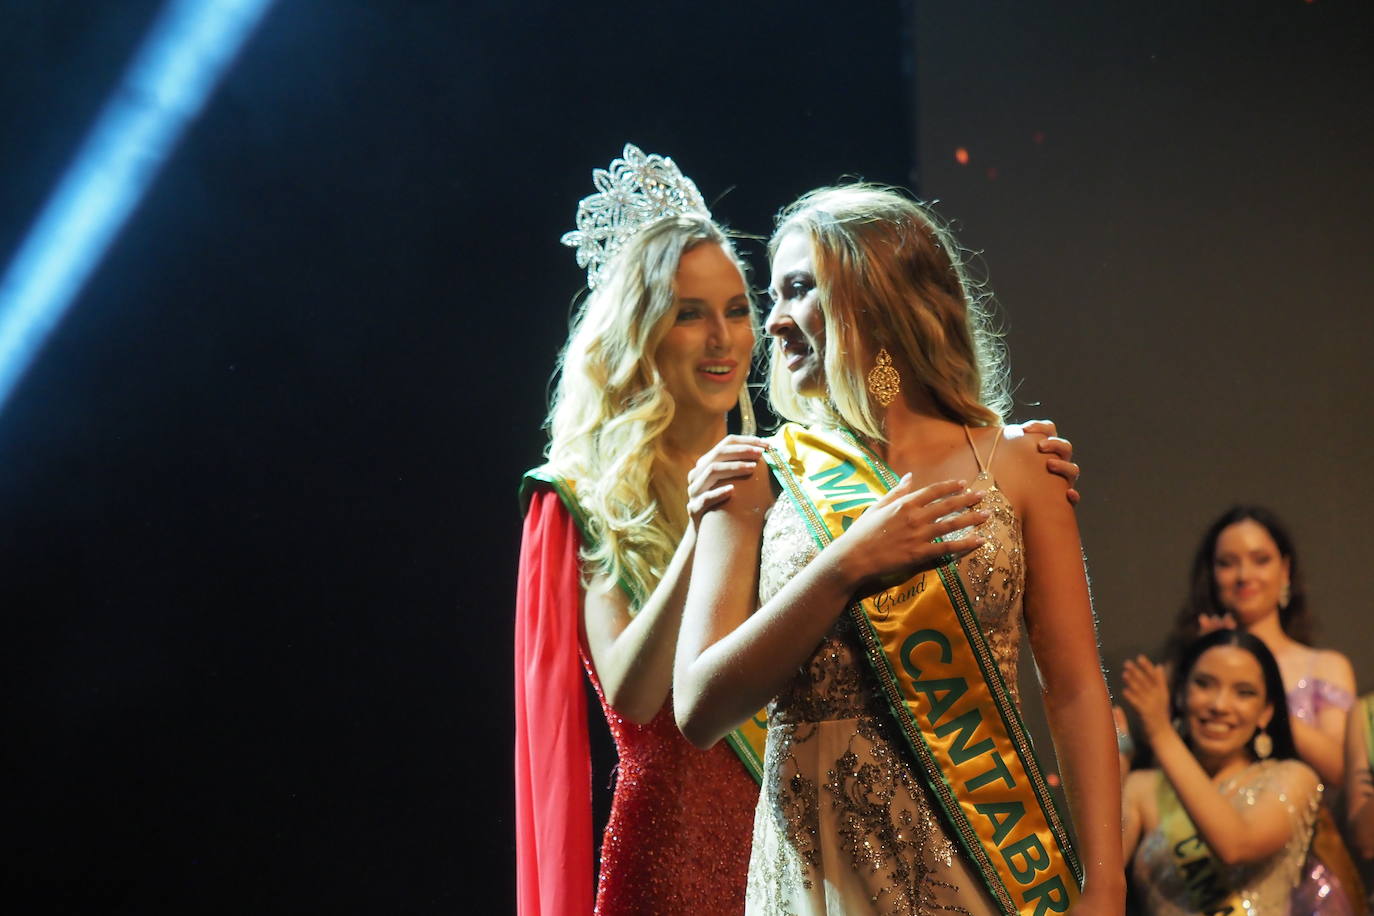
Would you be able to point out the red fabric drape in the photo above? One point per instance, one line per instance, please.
(553, 780)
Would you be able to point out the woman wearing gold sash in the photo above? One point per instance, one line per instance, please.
(659, 353)
(898, 779)
(1223, 825)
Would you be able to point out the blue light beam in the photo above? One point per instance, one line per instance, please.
(179, 63)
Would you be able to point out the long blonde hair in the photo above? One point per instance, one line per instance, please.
(889, 273)
(610, 408)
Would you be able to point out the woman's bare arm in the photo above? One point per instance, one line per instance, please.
(1063, 636)
(731, 659)
(1135, 791)
(1237, 837)
(1322, 744)
(1359, 783)
(633, 655)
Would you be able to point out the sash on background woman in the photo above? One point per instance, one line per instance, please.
(1198, 868)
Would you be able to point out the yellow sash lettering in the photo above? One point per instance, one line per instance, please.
(1207, 892)
(922, 641)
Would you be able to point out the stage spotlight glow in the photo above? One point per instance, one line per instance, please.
(189, 47)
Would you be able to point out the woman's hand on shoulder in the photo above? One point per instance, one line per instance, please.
(1210, 623)
(711, 482)
(1024, 475)
(895, 537)
(1050, 443)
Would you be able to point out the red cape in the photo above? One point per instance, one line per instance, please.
(553, 777)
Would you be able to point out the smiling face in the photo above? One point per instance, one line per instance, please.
(704, 356)
(1249, 572)
(1224, 704)
(796, 322)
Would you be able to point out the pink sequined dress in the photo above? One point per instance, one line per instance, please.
(1330, 883)
(677, 841)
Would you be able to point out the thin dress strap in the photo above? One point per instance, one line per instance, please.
(982, 466)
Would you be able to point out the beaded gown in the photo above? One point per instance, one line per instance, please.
(677, 840)
(844, 823)
(1264, 888)
(1330, 884)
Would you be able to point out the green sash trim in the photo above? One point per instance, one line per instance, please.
(749, 740)
(1199, 869)
(537, 477)
(949, 700)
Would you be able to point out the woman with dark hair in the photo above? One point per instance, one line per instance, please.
(1224, 822)
(1246, 575)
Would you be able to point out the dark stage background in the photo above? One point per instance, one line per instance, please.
(257, 511)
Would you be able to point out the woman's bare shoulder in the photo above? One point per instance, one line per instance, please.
(1139, 792)
(1333, 667)
(1020, 469)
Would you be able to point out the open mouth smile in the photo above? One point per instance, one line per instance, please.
(718, 372)
(794, 351)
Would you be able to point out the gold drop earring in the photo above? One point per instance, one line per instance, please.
(884, 382)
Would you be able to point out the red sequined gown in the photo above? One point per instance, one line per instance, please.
(677, 840)
(678, 837)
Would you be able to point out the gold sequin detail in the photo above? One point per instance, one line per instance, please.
(1264, 888)
(844, 819)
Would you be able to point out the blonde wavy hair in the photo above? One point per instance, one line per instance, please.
(610, 408)
(889, 274)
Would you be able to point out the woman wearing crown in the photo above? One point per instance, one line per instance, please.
(659, 352)
(870, 591)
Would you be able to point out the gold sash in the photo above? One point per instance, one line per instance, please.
(749, 739)
(1200, 871)
(924, 643)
